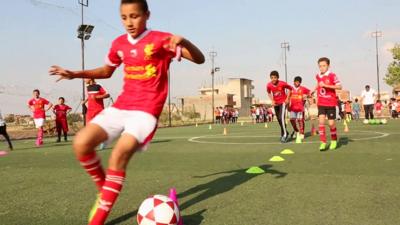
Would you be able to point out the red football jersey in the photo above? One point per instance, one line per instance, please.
(327, 96)
(38, 105)
(95, 104)
(146, 63)
(278, 91)
(297, 99)
(61, 111)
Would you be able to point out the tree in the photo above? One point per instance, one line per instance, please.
(392, 77)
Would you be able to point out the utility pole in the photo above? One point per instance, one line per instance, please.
(214, 69)
(285, 45)
(377, 34)
(83, 3)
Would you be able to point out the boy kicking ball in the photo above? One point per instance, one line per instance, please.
(146, 56)
(328, 83)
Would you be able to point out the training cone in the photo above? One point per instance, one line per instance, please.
(225, 131)
(174, 197)
(210, 127)
(266, 125)
(255, 170)
(197, 125)
(276, 159)
(287, 152)
(241, 123)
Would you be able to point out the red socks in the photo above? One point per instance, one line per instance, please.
(91, 163)
(322, 136)
(109, 194)
(294, 125)
(333, 134)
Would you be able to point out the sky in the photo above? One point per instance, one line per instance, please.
(246, 34)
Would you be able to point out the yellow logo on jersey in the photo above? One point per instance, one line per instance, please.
(149, 72)
(148, 51)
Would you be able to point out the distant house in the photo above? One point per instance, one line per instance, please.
(237, 93)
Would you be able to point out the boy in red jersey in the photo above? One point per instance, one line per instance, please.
(146, 56)
(61, 110)
(95, 99)
(37, 106)
(296, 108)
(328, 83)
(279, 92)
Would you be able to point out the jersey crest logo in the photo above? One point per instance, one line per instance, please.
(148, 51)
(133, 52)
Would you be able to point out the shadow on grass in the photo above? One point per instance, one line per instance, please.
(123, 218)
(193, 219)
(160, 141)
(223, 184)
(45, 146)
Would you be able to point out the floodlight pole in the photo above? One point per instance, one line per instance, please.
(285, 45)
(213, 54)
(376, 35)
(83, 3)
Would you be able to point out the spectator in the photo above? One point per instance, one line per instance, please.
(368, 97)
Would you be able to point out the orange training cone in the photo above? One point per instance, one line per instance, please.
(225, 131)
(346, 128)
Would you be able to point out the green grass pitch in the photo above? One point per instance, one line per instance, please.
(358, 183)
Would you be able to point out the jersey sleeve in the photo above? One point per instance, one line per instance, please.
(113, 59)
(287, 86)
(335, 79)
(306, 91)
(268, 89)
(30, 102)
(68, 108)
(102, 91)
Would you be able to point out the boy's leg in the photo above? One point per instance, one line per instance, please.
(119, 159)
(322, 135)
(293, 120)
(58, 127)
(3, 131)
(84, 144)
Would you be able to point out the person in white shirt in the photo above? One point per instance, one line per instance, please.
(368, 97)
(3, 131)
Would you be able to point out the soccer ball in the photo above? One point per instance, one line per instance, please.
(158, 209)
(365, 121)
(384, 121)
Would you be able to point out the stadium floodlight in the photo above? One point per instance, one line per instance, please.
(85, 31)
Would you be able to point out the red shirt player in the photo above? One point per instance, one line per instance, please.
(37, 106)
(95, 99)
(61, 110)
(328, 83)
(296, 109)
(146, 56)
(279, 92)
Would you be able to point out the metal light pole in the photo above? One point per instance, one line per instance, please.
(84, 33)
(213, 54)
(285, 45)
(376, 35)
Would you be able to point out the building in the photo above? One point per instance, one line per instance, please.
(237, 93)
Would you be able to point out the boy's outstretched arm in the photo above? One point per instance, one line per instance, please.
(103, 72)
(189, 50)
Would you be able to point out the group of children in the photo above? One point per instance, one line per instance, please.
(285, 97)
(226, 115)
(261, 114)
(95, 95)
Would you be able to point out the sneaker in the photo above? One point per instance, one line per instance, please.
(58, 140)
(283, 139)
(302, 136)
(333, 145)
(94, 208)
(298, 139)
(322, 146)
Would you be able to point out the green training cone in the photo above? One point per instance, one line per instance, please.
(287, 152)
(276, 159)
(255, 170)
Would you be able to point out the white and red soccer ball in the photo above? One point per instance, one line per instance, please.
(158, 210)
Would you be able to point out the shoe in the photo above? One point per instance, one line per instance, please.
(94, 208)
(333, 145)
(58, 140)
(292, 135)
(283, 139)
(298, 139)
(322, 146)
(302, 136)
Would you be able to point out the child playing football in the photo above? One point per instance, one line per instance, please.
(279, 92)
(37, 106)
(296, 108)
(146, 55)
(328, 83)
(61, 110)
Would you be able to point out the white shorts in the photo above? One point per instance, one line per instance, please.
(115, 122)
(296, 115)
(39, 122)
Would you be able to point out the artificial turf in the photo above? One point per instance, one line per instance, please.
(356, 184)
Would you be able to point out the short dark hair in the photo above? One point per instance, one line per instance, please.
(142, 3)
(61, 98)
(274, 73)
(298, 78)
(324, 59)
(367, 86)
(36, 90)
